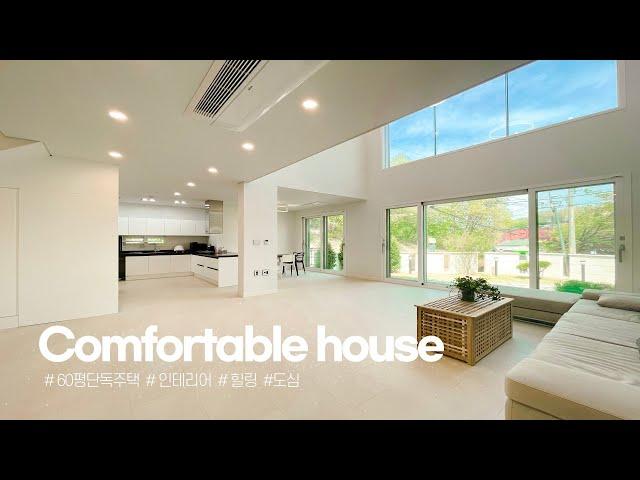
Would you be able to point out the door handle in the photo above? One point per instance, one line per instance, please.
(621, 249)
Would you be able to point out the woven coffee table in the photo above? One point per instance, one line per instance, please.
(469, 330)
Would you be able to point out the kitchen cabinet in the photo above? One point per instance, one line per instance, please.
(159, 264)
(155, 226)
(187, 227)
(123, 225)
(202, 226)
(222, 271)
(161, 226)
(137, 226)
(180, 263)
(137, 266)
(171, 226)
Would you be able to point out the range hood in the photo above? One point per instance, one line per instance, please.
(215, 208)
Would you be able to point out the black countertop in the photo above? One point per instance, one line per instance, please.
(149, 253)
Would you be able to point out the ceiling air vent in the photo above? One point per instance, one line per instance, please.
(235, 93)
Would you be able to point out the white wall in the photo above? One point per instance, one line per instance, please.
(67, 243)
(602, 145)
(337, 171)
(288, 232)
(257, 221)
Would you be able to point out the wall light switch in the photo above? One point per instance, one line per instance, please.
(256, 242)
(266, 242)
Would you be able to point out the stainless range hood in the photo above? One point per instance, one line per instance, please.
(215, 208)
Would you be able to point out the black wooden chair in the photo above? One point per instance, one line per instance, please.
(299, 258)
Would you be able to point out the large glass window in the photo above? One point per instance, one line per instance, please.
(546, 92)
(334, 244)
(412, 137)
(472, 117)
(402, 243)
(576, 238)
(535, 95)
(487, 237)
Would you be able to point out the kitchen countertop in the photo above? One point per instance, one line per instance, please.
(149, 253)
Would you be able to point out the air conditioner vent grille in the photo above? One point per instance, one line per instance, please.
(229, 78)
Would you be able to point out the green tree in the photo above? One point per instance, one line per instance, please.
(394, 255)
(331, 257)
(341, 257)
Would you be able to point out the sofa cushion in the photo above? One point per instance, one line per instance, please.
(610, 330)
(593, 294)
(543, 300)
(623, 302)
(591, 307)
(570, 376)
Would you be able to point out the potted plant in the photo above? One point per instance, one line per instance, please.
(475, 288)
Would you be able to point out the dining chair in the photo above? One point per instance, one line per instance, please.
(287, 260)
(299, 258)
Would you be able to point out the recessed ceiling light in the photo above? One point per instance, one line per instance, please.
(145, 199)
(310, 104)
(191, 184)
(183, 202)
(248, 146)
(176, 201)
(152, 199)
(213, 170)
(118, 115)
(114, 154)
(177, 194)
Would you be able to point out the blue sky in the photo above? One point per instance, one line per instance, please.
(540, 93)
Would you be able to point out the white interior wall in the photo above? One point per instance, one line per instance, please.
(288, 238)
(257, 223)
(67, 241)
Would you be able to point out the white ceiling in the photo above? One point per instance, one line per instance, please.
(302, 199)
(64, 104)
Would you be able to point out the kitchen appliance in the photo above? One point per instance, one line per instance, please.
(197, 246)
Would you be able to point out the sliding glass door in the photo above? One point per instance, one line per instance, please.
(313, 240)
(576, 238)
(402, 243)
(566, 238)
(324, 242)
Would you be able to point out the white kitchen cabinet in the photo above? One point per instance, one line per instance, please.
(123, 225)
(171, 226)
(155, 226)
(159, 264)
(180, 263)
(187, 227)
(9, 254)
(201, 227)
(137, 266)
(137, 226)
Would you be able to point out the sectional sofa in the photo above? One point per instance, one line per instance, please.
(587, 367)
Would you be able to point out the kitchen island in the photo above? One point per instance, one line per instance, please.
(221, 269)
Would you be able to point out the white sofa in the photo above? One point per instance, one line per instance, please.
(587, 367)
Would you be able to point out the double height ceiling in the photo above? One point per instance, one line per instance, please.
(197, 128)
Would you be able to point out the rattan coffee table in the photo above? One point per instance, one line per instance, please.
(469, 330)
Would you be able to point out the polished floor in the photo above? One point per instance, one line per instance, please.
(448, 389)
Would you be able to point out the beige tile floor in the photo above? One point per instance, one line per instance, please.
(447, 389)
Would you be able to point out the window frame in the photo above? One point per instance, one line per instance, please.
(622, 102)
